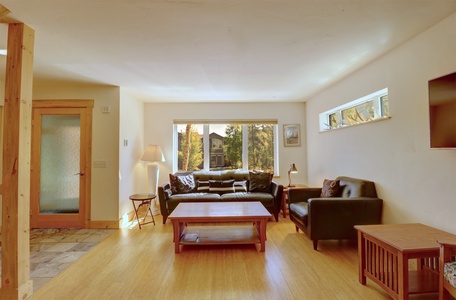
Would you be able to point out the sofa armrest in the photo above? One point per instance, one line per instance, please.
(302, 194)
(163, 195)
(336, 217)
(277, 192)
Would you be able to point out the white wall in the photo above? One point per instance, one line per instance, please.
(132, 172)
(159, 128)
(417, 184)
(105, 142)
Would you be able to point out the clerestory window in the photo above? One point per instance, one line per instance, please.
(372, 107)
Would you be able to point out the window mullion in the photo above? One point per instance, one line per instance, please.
(245, 147)
(206, 150)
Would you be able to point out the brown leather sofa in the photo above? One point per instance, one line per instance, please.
(334, 218)
(272, 199)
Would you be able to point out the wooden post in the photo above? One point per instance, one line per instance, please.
(16, 283)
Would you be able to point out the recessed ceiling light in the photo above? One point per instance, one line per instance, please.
(2, 51)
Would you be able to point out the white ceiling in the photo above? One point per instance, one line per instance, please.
(216, 50)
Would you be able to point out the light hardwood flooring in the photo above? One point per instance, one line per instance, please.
(141, 264)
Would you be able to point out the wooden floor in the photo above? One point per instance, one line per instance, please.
(141, 264)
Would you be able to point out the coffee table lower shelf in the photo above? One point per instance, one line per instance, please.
(215, 235)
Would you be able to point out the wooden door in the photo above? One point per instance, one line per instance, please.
(61, 163)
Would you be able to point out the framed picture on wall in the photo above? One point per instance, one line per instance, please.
(291, 135)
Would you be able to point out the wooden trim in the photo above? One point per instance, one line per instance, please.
(225, 121)
(16, 281)
(63, 103)
(1, 149)
(104, 225)
(3, 11)
(84, 108)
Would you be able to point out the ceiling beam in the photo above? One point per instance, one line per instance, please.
(3, 11)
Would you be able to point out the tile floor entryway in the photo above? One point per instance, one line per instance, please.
(53, 250)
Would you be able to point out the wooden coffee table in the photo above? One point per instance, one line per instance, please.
(384, 252)
(219, 212)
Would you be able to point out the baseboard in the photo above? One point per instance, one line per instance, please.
(104, 225)
(125, 221)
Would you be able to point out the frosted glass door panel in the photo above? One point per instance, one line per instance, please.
(60, 164)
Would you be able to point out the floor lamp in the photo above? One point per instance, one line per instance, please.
(153, 155)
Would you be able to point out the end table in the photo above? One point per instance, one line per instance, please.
(143, 199)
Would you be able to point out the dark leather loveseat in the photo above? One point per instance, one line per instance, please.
(334, 218)
(270, 197)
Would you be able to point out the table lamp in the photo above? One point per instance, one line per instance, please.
(292, 170)
(153, 155)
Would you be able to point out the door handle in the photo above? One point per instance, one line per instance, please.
(80, 174)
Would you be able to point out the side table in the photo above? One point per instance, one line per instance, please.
(143, 199)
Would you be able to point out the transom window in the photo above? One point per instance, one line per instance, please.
(370, 108)
(227, 145)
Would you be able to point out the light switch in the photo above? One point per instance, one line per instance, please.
(99, 163)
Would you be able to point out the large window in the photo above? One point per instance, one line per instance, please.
(231, 145)
(370, 108)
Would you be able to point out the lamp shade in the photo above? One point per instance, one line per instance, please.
(153, 153)
(293, 169)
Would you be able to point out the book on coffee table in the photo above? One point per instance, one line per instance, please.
(190, 238)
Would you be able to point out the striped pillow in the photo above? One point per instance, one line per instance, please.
(203, 186)
(240, 186)
(221, 186)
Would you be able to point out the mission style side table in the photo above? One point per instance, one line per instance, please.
(143, 199)
(384, 252)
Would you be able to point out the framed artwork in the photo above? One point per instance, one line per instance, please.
(291, 135)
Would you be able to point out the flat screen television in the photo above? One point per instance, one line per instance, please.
(442, 111)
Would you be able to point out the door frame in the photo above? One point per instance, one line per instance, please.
(86, 153)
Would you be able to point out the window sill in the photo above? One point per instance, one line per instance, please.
(352, 125)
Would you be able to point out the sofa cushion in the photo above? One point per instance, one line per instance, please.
(240, 186)
(202, 186)
(181, 183)
(260, 182)
(194, 197)
(221, 186)
(265, 198)
(330, 188)
(353, 187)
(300, 211)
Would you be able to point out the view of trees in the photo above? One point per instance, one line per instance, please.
(233, 146)
(190, 156)
(260, 147)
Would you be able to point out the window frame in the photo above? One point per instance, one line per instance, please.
(206, 145)
(377, 105)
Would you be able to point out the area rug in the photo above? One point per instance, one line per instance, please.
(53, 250)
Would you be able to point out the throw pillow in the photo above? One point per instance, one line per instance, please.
(260, 181)
(203, 186)
(181, 183)
(240, 186)
(330, 188)
(221, 186)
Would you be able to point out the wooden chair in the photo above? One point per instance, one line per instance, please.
(447, 254)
